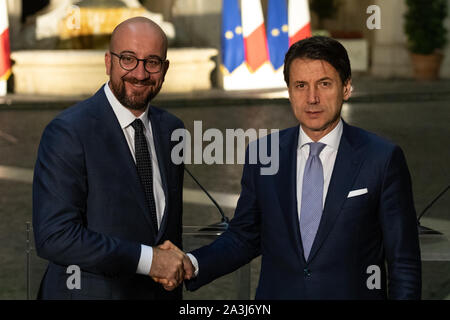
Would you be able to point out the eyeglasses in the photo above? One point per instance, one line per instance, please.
(129, 62)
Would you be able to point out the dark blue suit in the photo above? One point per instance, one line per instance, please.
(354, 233)
(89, 206)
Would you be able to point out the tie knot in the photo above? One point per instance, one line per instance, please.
(315, 148)
(137, 125)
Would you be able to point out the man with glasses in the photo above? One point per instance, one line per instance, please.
(105, 193)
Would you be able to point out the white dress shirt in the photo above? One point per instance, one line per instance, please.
(327, 157)
(125, 118)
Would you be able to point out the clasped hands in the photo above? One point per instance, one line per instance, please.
(170, 266)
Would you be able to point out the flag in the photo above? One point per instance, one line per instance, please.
(299, 20)
(277, 32)
(255, 41)
(233, 54)
(5, 62)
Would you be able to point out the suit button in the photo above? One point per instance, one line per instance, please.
(307, 272)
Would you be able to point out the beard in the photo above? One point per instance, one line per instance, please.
(134, 101)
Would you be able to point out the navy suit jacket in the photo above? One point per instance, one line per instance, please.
(374, 229)
(89, 207)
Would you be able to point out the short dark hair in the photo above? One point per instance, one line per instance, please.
(319, 48)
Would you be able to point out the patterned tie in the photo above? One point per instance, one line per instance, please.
(312, 197)
(144, 167)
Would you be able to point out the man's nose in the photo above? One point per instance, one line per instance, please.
(139, 72)
(313, 97)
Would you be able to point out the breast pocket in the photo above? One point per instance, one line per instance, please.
(358, 201)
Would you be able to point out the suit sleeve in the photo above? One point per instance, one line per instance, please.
(400, 234)
(60, 192)
(239, 244)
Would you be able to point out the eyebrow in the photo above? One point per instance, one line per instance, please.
(128, 51)
(149, 56)
(321, 79)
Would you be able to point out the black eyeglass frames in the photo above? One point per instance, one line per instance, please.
(129, 62)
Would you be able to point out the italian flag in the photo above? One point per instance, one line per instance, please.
(5, 62)
(254, 32)
(299, 20)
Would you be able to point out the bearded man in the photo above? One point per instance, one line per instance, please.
(105, 193)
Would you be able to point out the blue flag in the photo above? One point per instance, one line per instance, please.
(277, 32)
(233, 54)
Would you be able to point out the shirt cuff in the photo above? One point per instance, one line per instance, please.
(145, 261)
(194, 263)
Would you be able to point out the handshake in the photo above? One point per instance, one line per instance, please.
(170, 266)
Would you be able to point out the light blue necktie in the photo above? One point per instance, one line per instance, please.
(312, 197)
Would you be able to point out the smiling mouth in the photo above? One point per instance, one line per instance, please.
(138, 85)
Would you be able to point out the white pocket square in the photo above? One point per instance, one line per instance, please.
(356, 193)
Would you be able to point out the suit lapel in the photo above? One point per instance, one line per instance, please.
(286, 185)
(346, 169)
(159, 139)
(111, 135)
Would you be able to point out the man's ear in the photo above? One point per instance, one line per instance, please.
(165, 67)
(347, 89)
(108, 63)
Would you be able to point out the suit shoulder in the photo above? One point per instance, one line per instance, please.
(75, 118)
(79, 111)
(275, 138)
(288, 132)
(71, 116)
(372, 141)
(173, 121)
(279, 134)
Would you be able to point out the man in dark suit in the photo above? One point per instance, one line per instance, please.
(338, 213)
(105, 192)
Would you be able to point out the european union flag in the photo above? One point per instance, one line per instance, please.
(277, 32)
(233, 54)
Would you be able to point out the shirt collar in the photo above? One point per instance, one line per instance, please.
(332, 139)
(124, 116)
